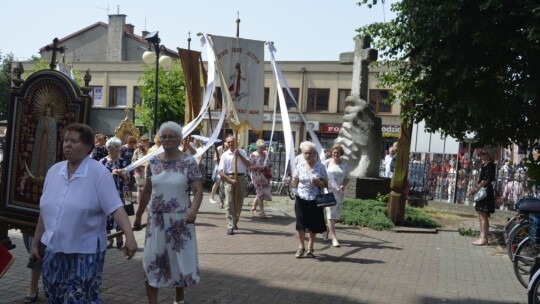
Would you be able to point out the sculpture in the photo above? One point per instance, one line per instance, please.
(361, 135)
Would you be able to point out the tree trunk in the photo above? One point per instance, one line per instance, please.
(398, 185)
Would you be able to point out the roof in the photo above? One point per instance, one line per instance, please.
(127, 34)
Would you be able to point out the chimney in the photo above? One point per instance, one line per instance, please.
(117, 24)
(130, 28)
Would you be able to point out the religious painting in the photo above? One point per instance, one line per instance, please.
(242, 63)
(40, 109)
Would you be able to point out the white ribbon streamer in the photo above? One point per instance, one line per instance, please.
(188, 128)
(289, 141)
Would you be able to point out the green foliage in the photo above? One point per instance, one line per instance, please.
(42, 64)
(373, 214)
(171, 96)
(468, 65)
(383, 198)
(5, 83)
(466, 232)
(39, 64)
(415, 217)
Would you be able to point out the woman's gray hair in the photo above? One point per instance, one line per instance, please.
(308, 145)
(171, 125)
(113, 141)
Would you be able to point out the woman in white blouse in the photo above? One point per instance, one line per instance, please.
(338, 178)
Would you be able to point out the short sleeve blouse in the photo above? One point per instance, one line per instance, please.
(306, 189)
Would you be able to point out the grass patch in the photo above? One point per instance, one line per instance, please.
(373, 214)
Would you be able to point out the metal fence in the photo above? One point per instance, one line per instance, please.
(432, 181)
(441, 181)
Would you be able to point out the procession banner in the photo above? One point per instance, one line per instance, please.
(242, 63)
(192, 77)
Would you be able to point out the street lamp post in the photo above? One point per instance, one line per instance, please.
(150, 57)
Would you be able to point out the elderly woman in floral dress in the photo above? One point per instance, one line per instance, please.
(259, 163)
(170, 252)
(114, 163)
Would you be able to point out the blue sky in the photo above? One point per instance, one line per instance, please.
(300, 29)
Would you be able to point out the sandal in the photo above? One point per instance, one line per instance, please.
(480, 242)
(262, 214)
(28, 299)
(253, 210)
(310, 254)
(300, 253)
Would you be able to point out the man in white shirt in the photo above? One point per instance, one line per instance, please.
(388, 170)
(231, 159)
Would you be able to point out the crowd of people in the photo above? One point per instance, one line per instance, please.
(169, 189)
(452, 179)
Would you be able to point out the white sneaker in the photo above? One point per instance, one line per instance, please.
(325, 236)
(212, 201)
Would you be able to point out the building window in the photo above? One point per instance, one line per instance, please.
(317, 100)
(97, 96)
(218, 97)
(266, 97)
(136, 96)
(342, 95)
(289, 100)
(117, 97)
(377, 99)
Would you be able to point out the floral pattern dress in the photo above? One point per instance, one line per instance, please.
(340, 173)
(119, 182)
(170, 251)
(262, 185)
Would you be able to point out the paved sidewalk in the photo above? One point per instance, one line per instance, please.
(257, 265)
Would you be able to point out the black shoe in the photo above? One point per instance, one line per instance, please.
(230, 231)
(235, 227)
(31, 299)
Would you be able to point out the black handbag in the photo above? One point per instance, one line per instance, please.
(325, 199)
(130, 209)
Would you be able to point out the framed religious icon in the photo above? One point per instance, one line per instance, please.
(40, 109)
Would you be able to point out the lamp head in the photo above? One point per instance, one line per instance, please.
(165, 62)
(149, 57)
(152, 37)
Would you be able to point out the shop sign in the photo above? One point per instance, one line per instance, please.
(330, 128)
(390, 131)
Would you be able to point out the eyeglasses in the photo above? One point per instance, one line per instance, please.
(167, 137)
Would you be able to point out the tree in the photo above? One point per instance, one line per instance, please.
(468, 65)
(5, 84)
(171, 96)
